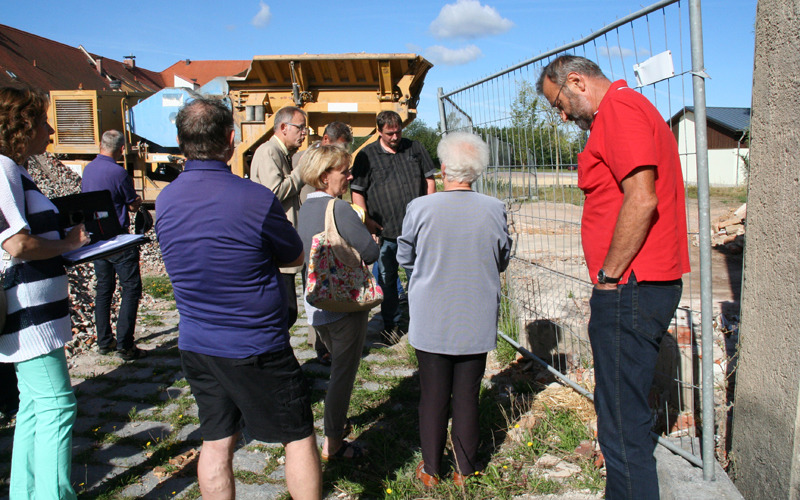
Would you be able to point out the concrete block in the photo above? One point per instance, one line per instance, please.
(679, 480)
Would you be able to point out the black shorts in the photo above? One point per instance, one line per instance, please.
(267, 393)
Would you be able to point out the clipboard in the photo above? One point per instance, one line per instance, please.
(95, 210)
(104, 248)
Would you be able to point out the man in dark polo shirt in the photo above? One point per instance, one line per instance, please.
(633, 230)
(103, 173)
(223, 239)
(387, 175)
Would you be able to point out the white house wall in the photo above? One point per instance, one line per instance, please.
(725, 166)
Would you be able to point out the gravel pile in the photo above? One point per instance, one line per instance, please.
(54, 180)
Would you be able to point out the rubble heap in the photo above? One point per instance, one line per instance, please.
(728, 230)
(54, 180)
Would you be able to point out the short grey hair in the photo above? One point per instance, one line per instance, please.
(560, 67)
(285, 115)
(463, 155)
(339, 130)
(204, 126)
(112, 140)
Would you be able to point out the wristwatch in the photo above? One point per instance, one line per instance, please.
(603, 278)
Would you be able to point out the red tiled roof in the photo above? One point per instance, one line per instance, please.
(51, 65)
(202, 72)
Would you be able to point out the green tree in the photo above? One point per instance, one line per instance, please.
(418, 130)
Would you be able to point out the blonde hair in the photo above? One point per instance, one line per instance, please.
(317, 161)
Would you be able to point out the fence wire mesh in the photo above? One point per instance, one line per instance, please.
(533, 169)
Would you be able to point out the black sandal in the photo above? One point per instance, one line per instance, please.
(358, 452)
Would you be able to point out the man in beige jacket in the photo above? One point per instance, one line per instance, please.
(272, 167)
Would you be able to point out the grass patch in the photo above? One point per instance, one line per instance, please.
(728, 195)
(158, 287)
(508, 323)
(151, 320)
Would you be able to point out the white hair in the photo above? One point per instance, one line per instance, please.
(463, 155)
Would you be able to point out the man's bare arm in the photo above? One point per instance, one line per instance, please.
(633, 222)
(431, 182)
(360, 200)
(295, 263)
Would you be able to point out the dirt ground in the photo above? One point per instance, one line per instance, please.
(548, 234)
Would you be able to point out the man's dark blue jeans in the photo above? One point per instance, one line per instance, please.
(625, 329)
(125, 265)
(387, 269)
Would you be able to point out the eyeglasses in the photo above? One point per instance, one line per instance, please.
(301, 128)
(557, 101)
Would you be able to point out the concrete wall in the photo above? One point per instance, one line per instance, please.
(725, 166)
(766, 415)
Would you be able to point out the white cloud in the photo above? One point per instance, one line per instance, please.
(452, 57)
(262, 18)
(468, 19)
(614, 51)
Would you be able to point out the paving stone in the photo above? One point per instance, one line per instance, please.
(305, 354)
(192, 411)
(91, 386)
(251, 461)
(93, 364)
(80, 444)
(298, 341)
(173, 393)
(120, 455)
(92, 477)
(395, 372)
(84, 424)
(143, 430)
(373, 386)
(128, 372)
(279, 474)
(259, 491)
(151, 486)
(189, 432)
(253, 443)
(137, 390)
(161, 359)
(169, 410)
(95, 406)
(374, 358)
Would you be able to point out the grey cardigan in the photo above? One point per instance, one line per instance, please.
(311, 221)
(457, 244)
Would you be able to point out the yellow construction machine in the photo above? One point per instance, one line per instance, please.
(351, 88)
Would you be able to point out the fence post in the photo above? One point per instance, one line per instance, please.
(703, 207)
(442, 116)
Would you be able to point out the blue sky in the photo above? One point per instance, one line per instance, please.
(465, 39)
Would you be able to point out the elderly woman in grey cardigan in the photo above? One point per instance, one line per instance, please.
(457, 243)
(327, 168)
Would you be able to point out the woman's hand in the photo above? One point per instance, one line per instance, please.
(77, 237)
(25, 246)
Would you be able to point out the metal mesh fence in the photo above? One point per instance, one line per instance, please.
(533, 169)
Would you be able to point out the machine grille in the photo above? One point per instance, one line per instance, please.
(75, 121)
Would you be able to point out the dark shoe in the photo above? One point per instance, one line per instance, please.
(131, 354)
(108, 349)
(324, 359)
(356, 453)
(427, 480)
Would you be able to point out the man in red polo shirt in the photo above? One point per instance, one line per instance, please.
(634, 238)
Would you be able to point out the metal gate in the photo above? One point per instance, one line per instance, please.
(657, 50)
